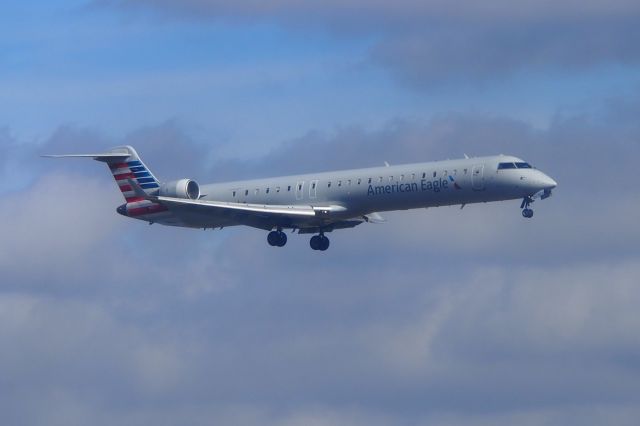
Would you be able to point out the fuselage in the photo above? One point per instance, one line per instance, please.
(358, 192)
(317, 203)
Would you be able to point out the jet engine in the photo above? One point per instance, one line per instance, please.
(183, 188)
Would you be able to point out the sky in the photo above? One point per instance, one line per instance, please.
(440, 316)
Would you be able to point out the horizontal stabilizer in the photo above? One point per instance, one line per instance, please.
(105, 156)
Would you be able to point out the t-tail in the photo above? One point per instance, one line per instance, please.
(134, 179)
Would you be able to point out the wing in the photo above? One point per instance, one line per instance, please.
(263, 216)
(264, 209)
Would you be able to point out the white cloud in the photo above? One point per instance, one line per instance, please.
(53, 226)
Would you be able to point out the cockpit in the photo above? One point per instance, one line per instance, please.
(514, 165)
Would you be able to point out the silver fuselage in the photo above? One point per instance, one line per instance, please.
(358, 192)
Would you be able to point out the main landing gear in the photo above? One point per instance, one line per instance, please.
(526, 211)
(319, 242)
(277, 238)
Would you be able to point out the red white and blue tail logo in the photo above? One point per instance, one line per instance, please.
(136, 171)
(132, 169)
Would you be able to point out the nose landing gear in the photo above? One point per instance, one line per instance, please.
(527, 212)
(277, 238)
(319, 242)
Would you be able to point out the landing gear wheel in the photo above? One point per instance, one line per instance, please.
(277, 238)
(526, 202)
(324, 243)
(319, 242)
(314, 243)
(272, 238)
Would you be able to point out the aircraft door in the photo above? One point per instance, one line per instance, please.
(477, 177)
(313, 189)
(299, 190)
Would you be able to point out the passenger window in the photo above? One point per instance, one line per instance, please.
(434, 174)
(369, 180)
(401, 177)
(299, 187)
(465, 171)
(380, 179)
(349, 182)
(267, 191)
(424, 175)
(359, 181)
(277, 189)
(328, 184)
(413, 176)
(390, 178)
(339, 183)
(313, 185)
(246, 192)
(289, 188)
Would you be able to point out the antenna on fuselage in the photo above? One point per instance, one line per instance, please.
(466, 156)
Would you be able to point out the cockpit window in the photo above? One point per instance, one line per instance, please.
(523, 165)
(503, 166)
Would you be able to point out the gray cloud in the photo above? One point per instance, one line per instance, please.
(433, 42)
(444, 316)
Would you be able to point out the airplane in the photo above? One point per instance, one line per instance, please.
(318, 203)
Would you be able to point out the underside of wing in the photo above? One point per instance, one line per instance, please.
(264, 209)
(263, 216)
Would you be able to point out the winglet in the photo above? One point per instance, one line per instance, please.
(374, 218)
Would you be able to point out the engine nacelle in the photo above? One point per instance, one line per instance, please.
(183, 188)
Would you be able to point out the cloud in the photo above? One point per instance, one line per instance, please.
(428, 43)
(445, 316)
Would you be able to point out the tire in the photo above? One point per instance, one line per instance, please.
(324, 243)
(273, 238)
(282, 239)
(314, 242)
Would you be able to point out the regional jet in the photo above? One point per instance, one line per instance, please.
(318, 203)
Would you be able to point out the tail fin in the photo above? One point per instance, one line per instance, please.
(125, 164)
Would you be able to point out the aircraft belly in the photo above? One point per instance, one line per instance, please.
(213, 219)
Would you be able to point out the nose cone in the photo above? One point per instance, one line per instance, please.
(546, 182)
(533, 181)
